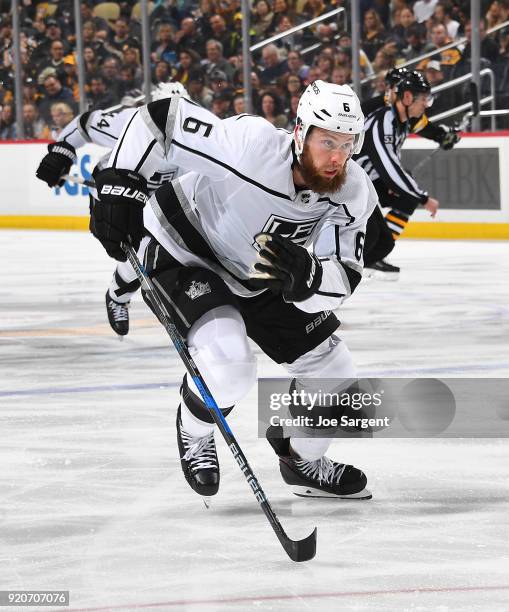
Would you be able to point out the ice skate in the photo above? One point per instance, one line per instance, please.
(321, 478)
(199, 461)
(118, 315)
(382, 270)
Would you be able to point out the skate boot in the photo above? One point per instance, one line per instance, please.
(382, 271)
(320, 478)
(118, 315)
(199, 461)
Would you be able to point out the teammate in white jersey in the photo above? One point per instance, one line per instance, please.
(103, 128)
(262, 239)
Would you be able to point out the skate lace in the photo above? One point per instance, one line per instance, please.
(118, 311)
(324, 469)
(201, 452)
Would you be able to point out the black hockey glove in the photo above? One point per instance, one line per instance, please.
(286, 268)
(118, 214)
(451, 136)
(55, 163)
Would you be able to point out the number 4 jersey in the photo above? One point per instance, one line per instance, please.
(239, 183)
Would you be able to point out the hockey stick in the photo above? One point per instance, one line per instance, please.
(297, 550)
(467, 117)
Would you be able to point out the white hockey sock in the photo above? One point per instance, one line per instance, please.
(192, 425)
(310, 448)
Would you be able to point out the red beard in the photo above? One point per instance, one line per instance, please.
(315, 181)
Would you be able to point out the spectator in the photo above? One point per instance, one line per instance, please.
(383, 61)
(131, 59)
(417, 44)
(274, 67)
(61, 115)
(315, 8)
(279, 9)
(448, 58)
(99, 97)
(52, 32)
(293, 85)
(220, 33)
(91, 40)
(162, 73)
(7, 123)
(489, 48)
(164, 48)
(198, 92)
(238, 104)
(188, 37)
(218, 81)
(441, 100)
(443, 14)
(30, 93)
(497, 13)
(110, 73)
(69, 76)
(423, 9)
(373, 36)
(188, 61)
(121, 36)
(291, 112)
(270, 109)
(99, 24)
(91, 61)
(400, 31)
(221, 104)
(32, 123)
(130, 85)
(291, 42)
(325, 64)
(296, 65)
(215, 59)
(55, 58)
(262, 19)
(54, 92)
(340, 76)
(344, 55)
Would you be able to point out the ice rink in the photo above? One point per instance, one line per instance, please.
(92, 497)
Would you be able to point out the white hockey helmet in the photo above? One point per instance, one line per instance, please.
(167, 90)
(330, 107)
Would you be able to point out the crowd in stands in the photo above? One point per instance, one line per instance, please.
(200, 45)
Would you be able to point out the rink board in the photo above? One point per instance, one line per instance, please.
(470, 175)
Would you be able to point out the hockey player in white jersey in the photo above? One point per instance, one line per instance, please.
(261, 240)
(103, 128)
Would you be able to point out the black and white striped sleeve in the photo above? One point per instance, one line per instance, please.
(380, 145)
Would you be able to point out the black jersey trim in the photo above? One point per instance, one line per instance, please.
(92, 127)
(83, 122)
(329, 294)
(232, 170)
(171, 208)
(114, 165)
(145, 155)
(158, 111)
(354, 277)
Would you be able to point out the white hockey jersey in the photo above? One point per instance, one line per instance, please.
(241, 184)
(103, 128)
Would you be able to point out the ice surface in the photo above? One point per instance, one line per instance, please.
(92, 498)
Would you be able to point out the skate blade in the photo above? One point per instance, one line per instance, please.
(309, 492)
(120, 338)
(378, 275)
(207, 502)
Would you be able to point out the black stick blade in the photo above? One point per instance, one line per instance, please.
(300, 550)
